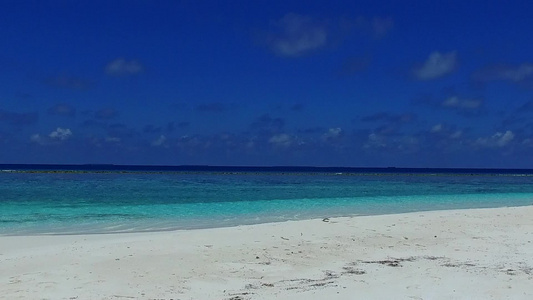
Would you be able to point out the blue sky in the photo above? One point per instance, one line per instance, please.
(316, 83)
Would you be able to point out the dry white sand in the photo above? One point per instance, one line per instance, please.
(460, 254)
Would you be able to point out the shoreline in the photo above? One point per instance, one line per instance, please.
(482, 253)
(155, 225)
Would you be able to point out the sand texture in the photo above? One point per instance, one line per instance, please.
(458, 254)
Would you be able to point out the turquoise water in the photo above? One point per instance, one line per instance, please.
(67, 203)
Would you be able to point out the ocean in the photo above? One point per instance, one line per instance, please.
(85, 199)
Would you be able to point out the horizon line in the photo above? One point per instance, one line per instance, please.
(252, 166)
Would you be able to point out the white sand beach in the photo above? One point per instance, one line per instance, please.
(459, 254)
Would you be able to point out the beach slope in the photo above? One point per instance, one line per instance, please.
(457, 254)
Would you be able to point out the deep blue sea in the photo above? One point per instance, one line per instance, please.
(47, 199)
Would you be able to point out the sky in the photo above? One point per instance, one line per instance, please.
(444, 84)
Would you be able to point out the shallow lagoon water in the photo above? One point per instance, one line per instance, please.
(107, 202)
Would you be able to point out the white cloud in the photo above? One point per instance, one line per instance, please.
(36, 138)
(159, 141)
(250, 144)
(375, 141)
(497, 140)
(504, 139)
(437, 65)
(436, 128)
(408, 144)
(515, 74)
(402, 143)
(457, 134)
(332, 134)
(446, 131)
(465, 104)
(60, 134)
(297, 35)
(120, 66)
(281, 140)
